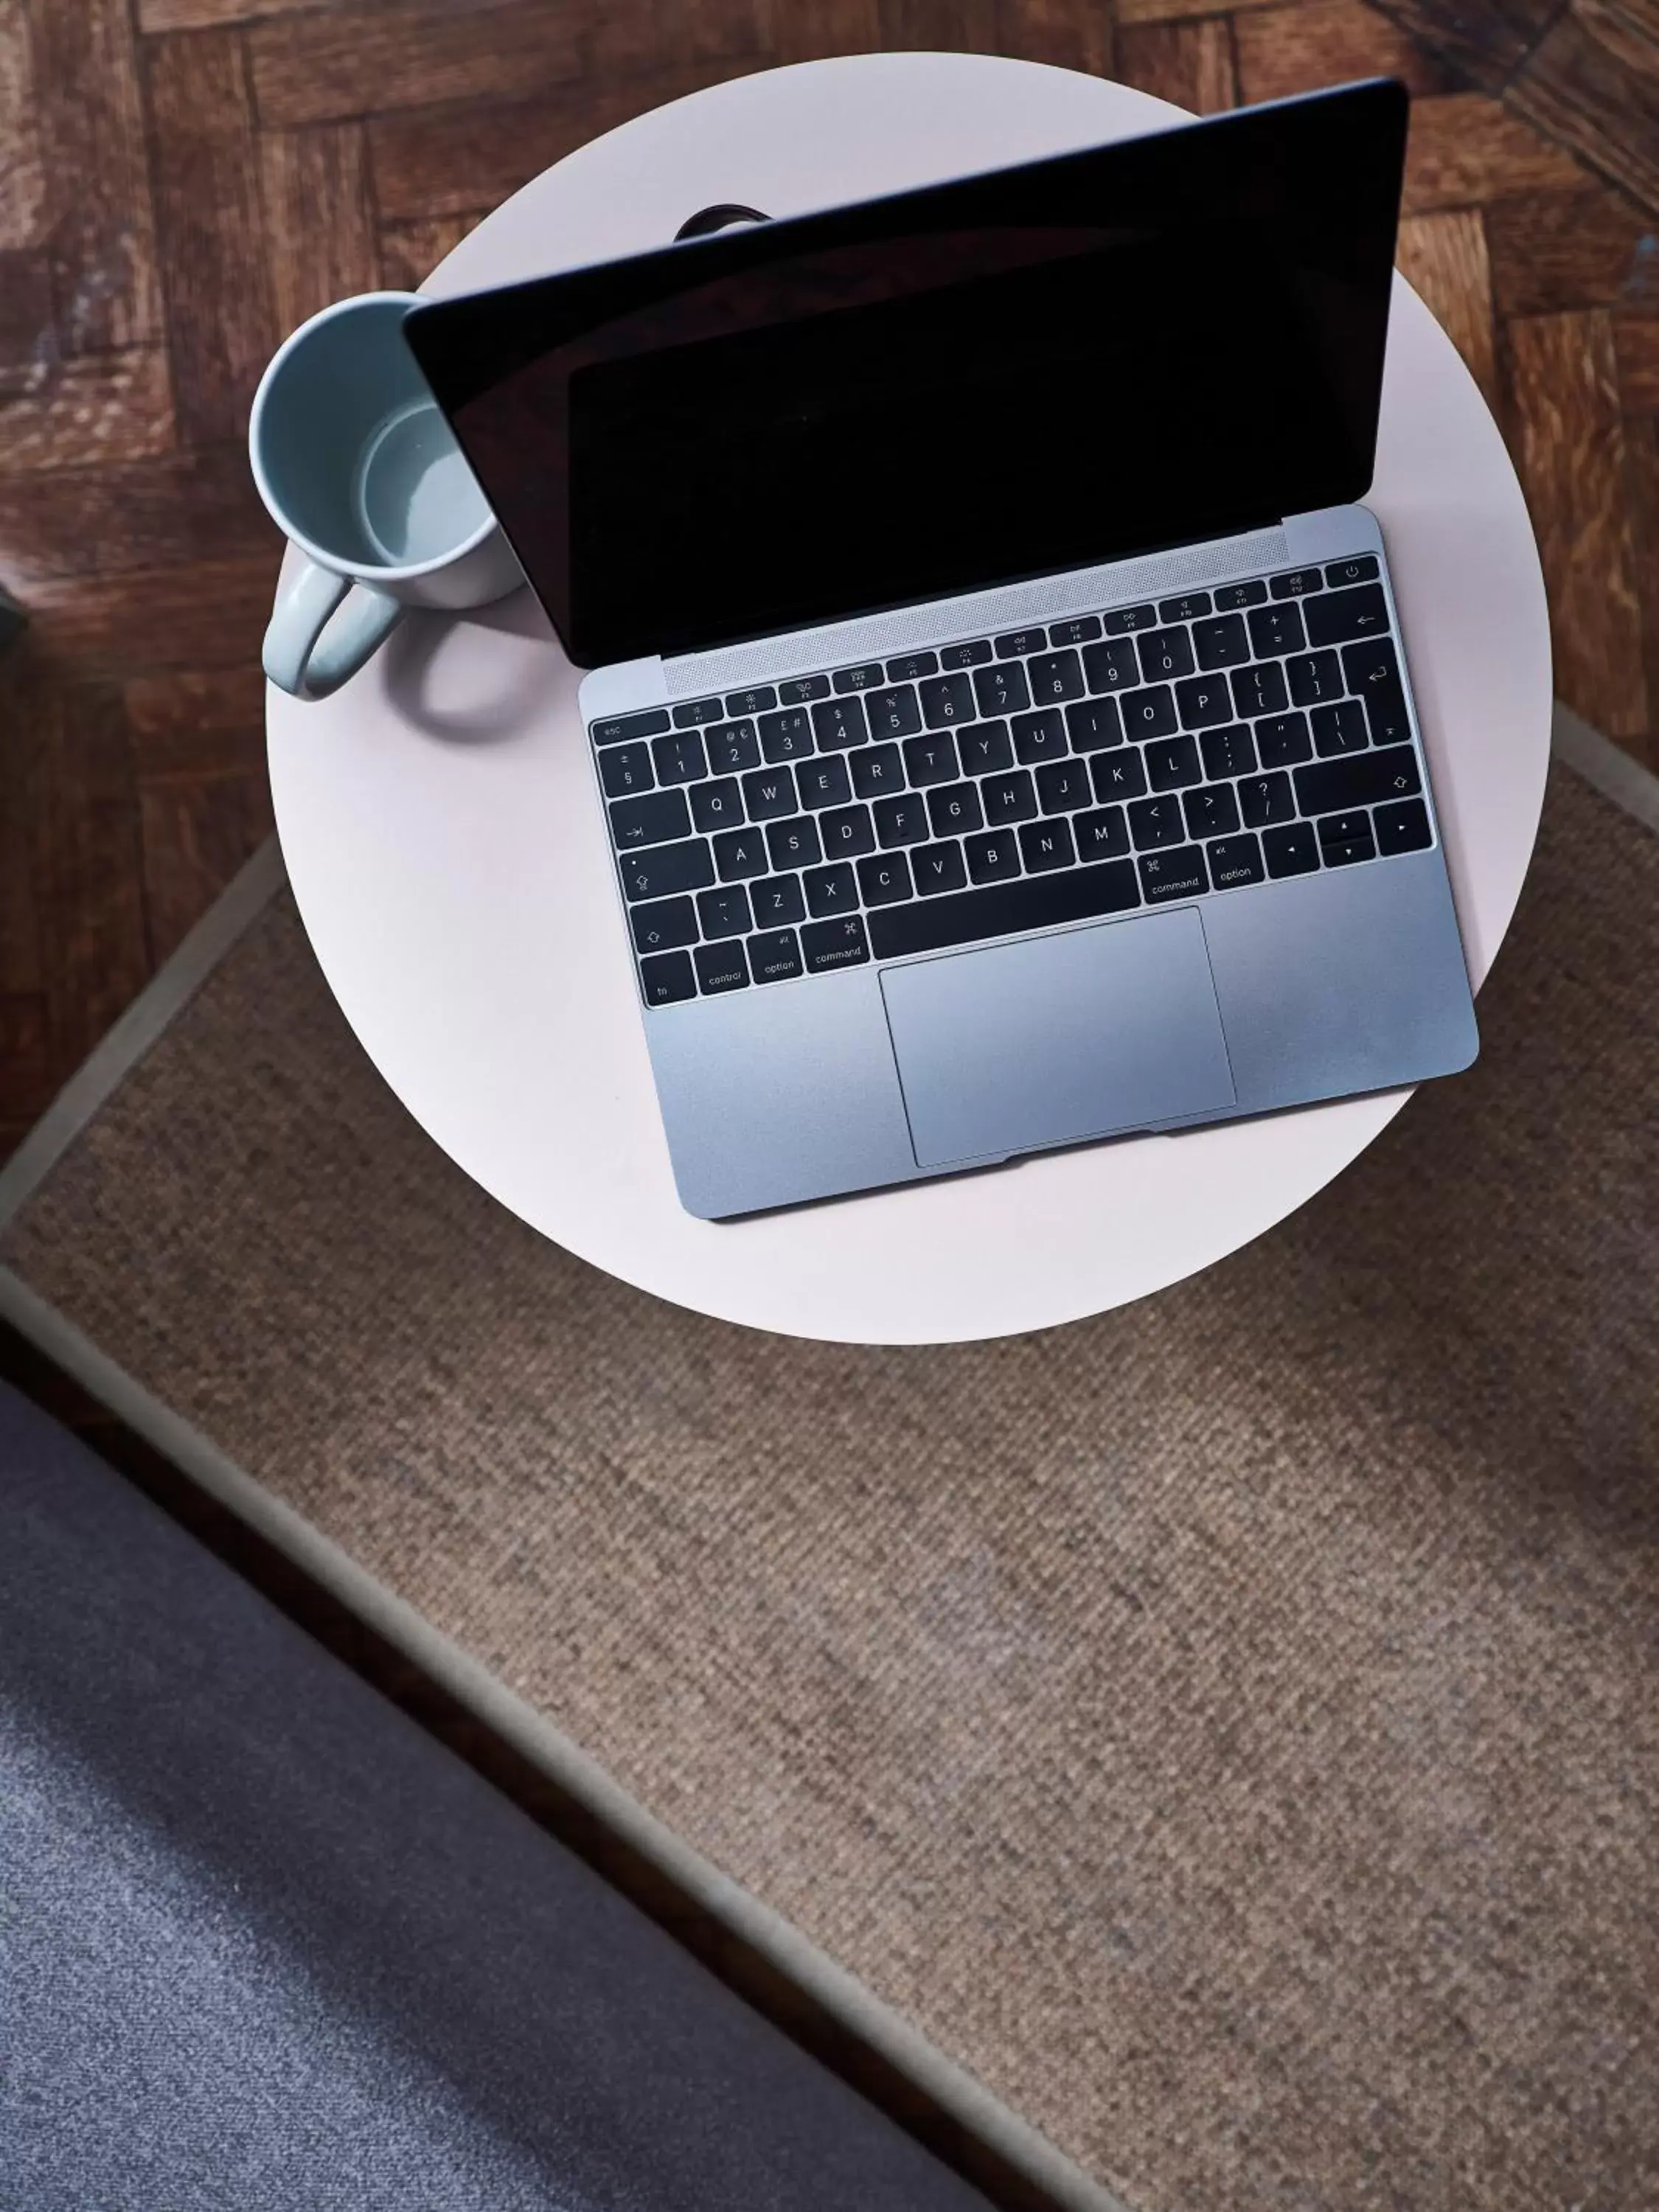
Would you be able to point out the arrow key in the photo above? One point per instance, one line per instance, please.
(1403, 827)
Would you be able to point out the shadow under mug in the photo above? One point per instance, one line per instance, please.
(360, 470)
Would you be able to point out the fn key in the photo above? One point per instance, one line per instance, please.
(667, 976)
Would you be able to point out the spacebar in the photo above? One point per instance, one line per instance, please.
(1000, 909)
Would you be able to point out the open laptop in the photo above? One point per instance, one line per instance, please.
(997, 703)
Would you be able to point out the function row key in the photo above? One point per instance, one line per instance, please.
(1122, 620)
(697, 711)
(1018, 643)
(1232, 596)
(1358, 568)
(1187, 608)
(1082, 629)
(972, 655)
(803, 690)
(1296, 583)
(754, 701)
(910, 667)
(861, 678)
(616, 729)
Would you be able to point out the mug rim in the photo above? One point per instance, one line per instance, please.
(370, 573)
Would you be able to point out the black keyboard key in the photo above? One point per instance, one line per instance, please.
(615, 729)
(1056, 676)
(1358, 568)
(1260, 688)
(831, 890)
(804, 688)
(937, 868)
(1231, 595)
(625, 769)
(987, 749)
(893, 713)
(740, 853)
(770, 792)
(877, 771)
(848, 831)
(1204, 700)
(1291, 851)
(1295, 584)
(1211, 811)
(994, 857)
(946, 700)
(1339, 729)
(910, 667)
(1004, 908)
(1148, 713)
(965, 656)
(1236, 861)
(1111, 667)
(754, 701)
(1093, 724)
(904, 821)
(733, 747)
(725, 913)
(1345, 838)
(1403, 828)
(1102, 836)
(699, 710)
(885, 879)
(1002, 689)
(1385, 714)
(1039, 737)
(667, 978)
(1283, 740)
(822, 782)
(719, 968)
(1155, 821)
(1276, 630)
(1063, 786)
(777, 902)
(1165, 654)
(1314, 678)
(1227, 752)
(1176, 875)
(652, 820)
(1173, 762)
(1080, 630)
(1045, 846)
(1265, 800)
(955, 810)
(1336, 616)
(664, 924)
(787, 735)
(1188, 608)
(1368, 779)
(1372, 661)
(1373, 675)
(1118, 776)
(667, 868)
(714, 805)
(1008, 798)
(839, 723)
(775, 958)
(931, 759)
(794, 844)
(1126, 619)
(1220, 642)
(827, 945)
(679, 758)
(868, 673)
(1016, 643)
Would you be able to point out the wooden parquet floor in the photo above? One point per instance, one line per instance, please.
(183, 180)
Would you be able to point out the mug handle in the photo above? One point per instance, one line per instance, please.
(314, 643)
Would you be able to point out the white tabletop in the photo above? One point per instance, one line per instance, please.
(446, 850)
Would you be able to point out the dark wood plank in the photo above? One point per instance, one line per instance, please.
(23, 164)
(1636, 347)
(196, 834)
(207, 614)
(1556, 251)
(967, 26)
(409, 252)
(1593, 85)
(27, 333)
(1569, 446)
(208, 14)
(1444, 256)
(1296, 49)
(1069, 33)
(319, 233)
(805, 33)
(26, 715)
(60, 412)
(110, 521)
(1191, 63)
(214, 245)
(1642, 482)
(26, 1067)
(1487, 40)
(336, 64)
(91, 122)
(194, 723)
(1465, 150)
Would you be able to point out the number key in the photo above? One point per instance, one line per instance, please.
(625, 769)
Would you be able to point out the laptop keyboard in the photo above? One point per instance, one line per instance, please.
(1056, 774)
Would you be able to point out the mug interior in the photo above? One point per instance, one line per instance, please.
(356, 458)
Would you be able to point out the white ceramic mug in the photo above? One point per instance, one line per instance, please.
(360, 470)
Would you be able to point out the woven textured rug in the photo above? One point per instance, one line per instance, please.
(1228, 1729)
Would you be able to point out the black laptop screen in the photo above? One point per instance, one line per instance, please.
(1026, 371)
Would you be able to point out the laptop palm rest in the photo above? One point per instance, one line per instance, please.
(1056, 1039)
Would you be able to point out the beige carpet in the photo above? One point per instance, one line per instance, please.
(1230, 1729)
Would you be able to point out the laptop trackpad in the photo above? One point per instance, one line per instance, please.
(1058, 1038)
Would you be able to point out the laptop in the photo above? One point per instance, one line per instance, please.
(999, 713)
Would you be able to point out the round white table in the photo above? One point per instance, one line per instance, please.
(443, 839)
